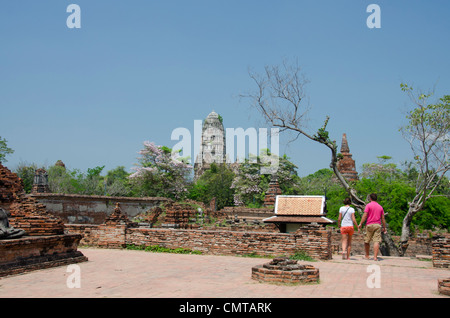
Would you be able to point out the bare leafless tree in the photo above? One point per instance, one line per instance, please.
(280, 98)
(428, 134)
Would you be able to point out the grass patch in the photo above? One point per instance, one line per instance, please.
(161, 249)
(255, 255)
(302, 256)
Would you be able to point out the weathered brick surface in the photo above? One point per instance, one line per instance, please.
(40, 183)
(272, 192)
(247, 213)
(45, 244)
(88, 232)
(37, 252)
(112, 233)
(26, 213)
(178, 215)
(313, 240)
(93, 209)
(346, 164)
(286, 271)
(441, 251)
(420, 245)
(444, 286)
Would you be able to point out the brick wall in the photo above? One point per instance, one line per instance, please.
(37, 252)
(93, 209)
(89, 232)
(312, 239)
(247, 213)
(441, 251)
(420, 245)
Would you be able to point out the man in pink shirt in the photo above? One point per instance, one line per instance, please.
(374, 217)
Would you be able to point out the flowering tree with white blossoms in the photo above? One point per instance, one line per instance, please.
(247, 183)
(250, 183)
(159, 173)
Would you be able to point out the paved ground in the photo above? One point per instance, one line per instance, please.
(136, 274)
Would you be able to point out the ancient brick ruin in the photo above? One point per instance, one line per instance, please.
(285, 271)
(93, 209)
(444, 286)
(346, 165)
(45, 244)
(112, 231)
(272, 192)
(314, 240)
(25, 212)
(441, 251)
(40, 182)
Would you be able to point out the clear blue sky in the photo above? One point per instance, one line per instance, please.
(136, 70)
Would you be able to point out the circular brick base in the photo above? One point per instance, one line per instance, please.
(444, 286)
(284, 270)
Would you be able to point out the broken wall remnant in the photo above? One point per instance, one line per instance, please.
(45, 244)
(313, 240)
(40, 182)
(346, 165)
(93, 209)
(441, 251)
(25, 212)
(285, 271)
(272, 192)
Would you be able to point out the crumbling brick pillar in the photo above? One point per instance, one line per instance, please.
(315, 240)
(26, 213)
(40, 183)
(272, 192)
(444, 286)
(441, 251)
(112, 233)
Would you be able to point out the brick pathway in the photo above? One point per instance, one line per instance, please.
(127, 273)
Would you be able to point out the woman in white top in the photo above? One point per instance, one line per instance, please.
(347, 221)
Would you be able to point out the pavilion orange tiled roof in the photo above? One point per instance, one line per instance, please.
(299, 209)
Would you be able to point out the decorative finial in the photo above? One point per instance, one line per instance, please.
(344, 145)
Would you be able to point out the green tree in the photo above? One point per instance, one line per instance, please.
(392, 187)
(92, 182)
(117, 182)
(428, 133)
(4, 150)
(25, 171)
(60, 180)
(214, 183)
(323, 182)
(280, 98)
(63, 180)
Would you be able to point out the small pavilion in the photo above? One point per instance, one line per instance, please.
(292, 211)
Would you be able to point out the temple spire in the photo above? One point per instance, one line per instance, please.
(344, 145)
(346, 165)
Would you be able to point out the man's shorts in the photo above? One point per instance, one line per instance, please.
(347, 230)
(373, 233)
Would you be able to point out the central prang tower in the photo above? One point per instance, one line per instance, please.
(213, 144)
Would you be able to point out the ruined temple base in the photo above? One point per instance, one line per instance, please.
(285, 271)
(444, 286)
(38, 252)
